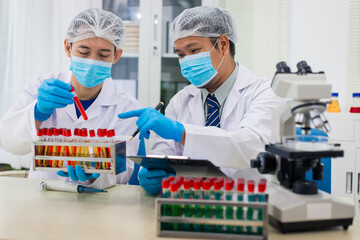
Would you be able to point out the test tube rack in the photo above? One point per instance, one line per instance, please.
(212, 221)
(116, 149)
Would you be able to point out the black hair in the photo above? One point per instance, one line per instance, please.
(232, 45)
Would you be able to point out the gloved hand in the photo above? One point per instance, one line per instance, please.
(77, 174)
(53, 93)
(151, 119)
(151, 180)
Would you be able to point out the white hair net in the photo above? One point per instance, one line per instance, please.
(94, 22)
(204, 21)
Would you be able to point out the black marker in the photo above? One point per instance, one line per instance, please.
(158, 107)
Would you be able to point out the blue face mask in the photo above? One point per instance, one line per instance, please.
(90, 72)
(198, 68)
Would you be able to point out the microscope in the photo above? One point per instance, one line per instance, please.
(296, 204)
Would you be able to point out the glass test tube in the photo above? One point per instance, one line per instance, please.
(218, 194)
(250, 210)
(175, 208)
(261, 198)
(188, 210)
(165, 208)
(198, 210)
(229, 212)
(240, 197)
(95, 149)
(208, 209)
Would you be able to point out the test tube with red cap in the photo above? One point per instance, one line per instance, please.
(165, 208)
(69, 150)
(111, 139)
(218, 195)
(56, 149)
(175, 208)
(198, 209)
(39, 149)
(229, 210)
(251, 198)
(48, 148)
(188, 210)
(78, 137)
(240, 197)
(78, 103)
(62, 153)
(261, 198)
(208, 209)
(86, 149)
(95, 149)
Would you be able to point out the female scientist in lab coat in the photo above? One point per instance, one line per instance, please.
(224, 115)
(93, 43)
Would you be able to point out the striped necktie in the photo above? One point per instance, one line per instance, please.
(213, 116)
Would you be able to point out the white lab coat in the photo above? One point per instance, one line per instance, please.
(17, 127)
(245, 125)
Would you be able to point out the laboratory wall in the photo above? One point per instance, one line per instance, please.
(318, 33)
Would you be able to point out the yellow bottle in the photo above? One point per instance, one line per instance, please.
(334, 105)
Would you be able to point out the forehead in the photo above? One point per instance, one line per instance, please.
(94, 43)
(185, 42)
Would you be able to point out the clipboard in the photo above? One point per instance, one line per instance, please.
(180, 165)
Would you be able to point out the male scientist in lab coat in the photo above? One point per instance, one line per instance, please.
(93, 44)
(224, 115)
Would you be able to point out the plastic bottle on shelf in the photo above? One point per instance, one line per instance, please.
(334, 105)
(355, 106)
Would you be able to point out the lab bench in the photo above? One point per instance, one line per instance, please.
(124, 212)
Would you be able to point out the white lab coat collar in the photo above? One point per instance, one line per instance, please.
(244, 79)
(106, 97)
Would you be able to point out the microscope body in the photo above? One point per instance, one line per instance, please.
(295, 203)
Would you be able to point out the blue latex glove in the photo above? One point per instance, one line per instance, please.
(134, 180)
(151, 180)
(151, 119)
(53, 93)
(77, 174)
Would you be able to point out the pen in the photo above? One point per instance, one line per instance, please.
(158, 107)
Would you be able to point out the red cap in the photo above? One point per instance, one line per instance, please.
(174, 186)
(229, 184)
(207, 185)
(180, 179)
(56, 131)
(262, 185)
(165, 183)
(218, 184)
(49, 132)
(68, 132)
(72, 88)
(39, 132)
(110, 133)
(187, 183)
(197, 184)
(76, 132)
(212, 180)
(171, 178)
(251, 185)
(84, 132)
(241, 184)
(92, 133)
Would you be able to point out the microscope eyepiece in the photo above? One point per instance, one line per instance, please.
(303, 67)
(281, 67)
